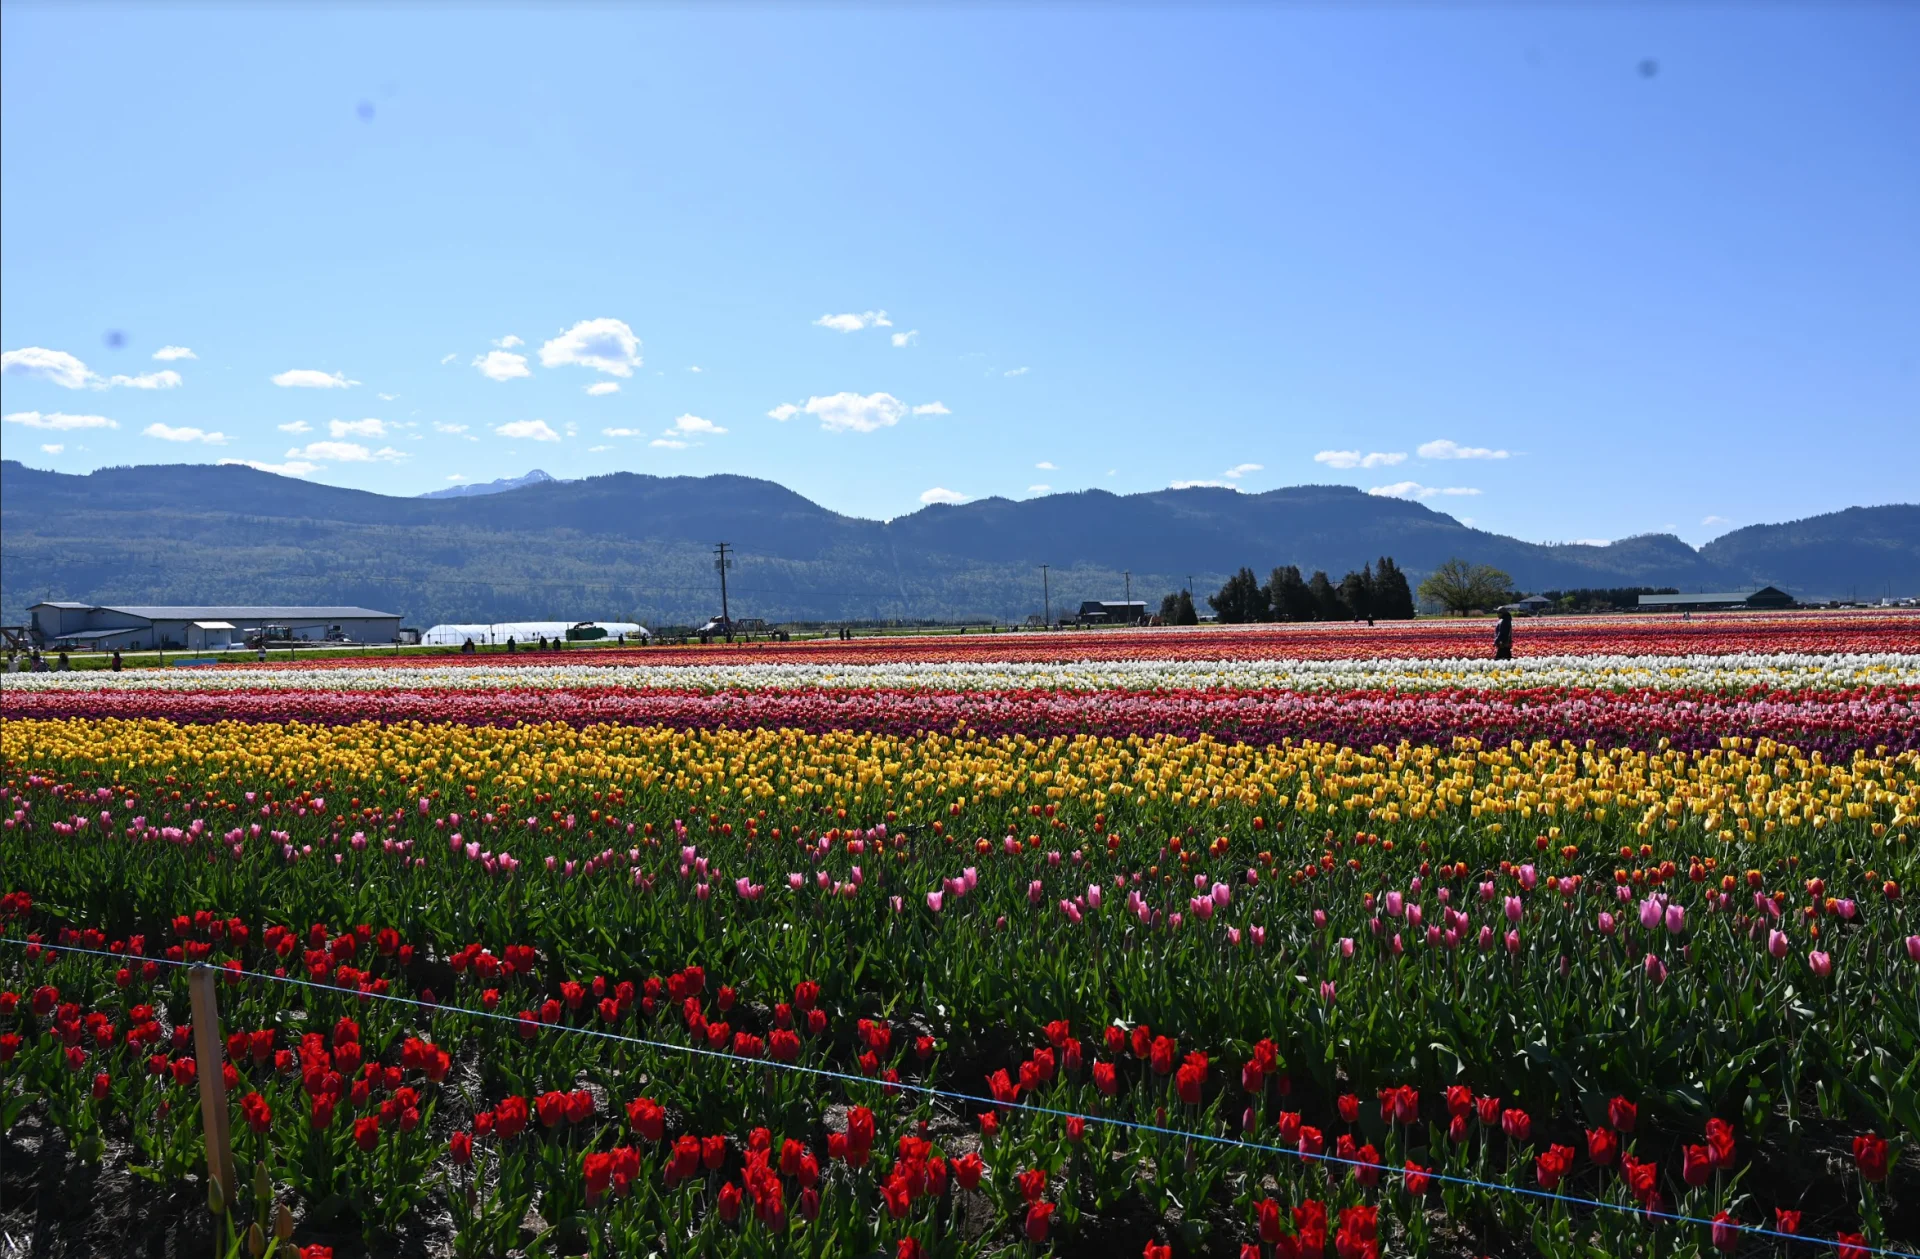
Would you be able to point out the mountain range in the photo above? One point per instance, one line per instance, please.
(633, 547)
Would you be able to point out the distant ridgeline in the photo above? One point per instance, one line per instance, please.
(628, 547)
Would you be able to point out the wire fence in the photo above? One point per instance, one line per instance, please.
(952, 1095)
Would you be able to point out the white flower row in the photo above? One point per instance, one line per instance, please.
(1707, 673)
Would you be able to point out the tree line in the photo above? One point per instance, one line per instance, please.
(1377, 591)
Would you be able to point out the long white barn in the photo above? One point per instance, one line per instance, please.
(130, 628)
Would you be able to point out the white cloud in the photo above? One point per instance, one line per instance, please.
(1239, 470)
(53, 448)
(1355, 459)
(621, 432)
(59, 420)
(357, 428)
(1444, 449)
(932, 408)
(901, 340)
(1018, 371)
(448, 358)
(594, 450)
(939, 495)
(500, 365)
(389, 397)
(438, 427)
(297, 426)
(509, 341)
(696, 369)
(293, 467)
(149, 380)
(1200, 485)
(1045, 466)
(602, 389)
(849, 412)
(306, 378)
(668, 443)
(694, 424)
(1715, 520)
(528, 430)
(1413, 489)
(53, 366)
(346, 452)
(169, 353)
(168, 433)
(1039, 489)
(853, 323)
(456, 476)
(605, 345)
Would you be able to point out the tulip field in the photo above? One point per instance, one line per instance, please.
(1273, 942)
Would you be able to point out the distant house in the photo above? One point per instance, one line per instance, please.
(1112, 612)
(1725, 600)
(60, 623)
(1527, 606)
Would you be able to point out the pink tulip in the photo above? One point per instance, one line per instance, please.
(796, 881)
(1414, 915)
(1259, 935)
(1650, 913)
(1072, 912)
(1513, 941)
(1515, 910)
(1395, 903)
(1319, 920)
(1529, 877)
(1346, 946)
(1913, 947)
(1093, 896)
(1606, 923)
(1820, 963)
(1656, 969)
(1777, 944)
(1035, 893)
(934, 900)
(1486, 890)
(1326, 990)
(1486, 938)
(1676, 919)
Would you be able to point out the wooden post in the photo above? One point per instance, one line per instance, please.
(209, 1050)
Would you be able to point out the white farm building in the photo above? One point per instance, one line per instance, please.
(86, 625)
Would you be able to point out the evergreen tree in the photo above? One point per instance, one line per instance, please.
(1287, 595)
(1356, 592)
(1177, 609)
(1392, 598)
(1326, 600)
(1241, 600)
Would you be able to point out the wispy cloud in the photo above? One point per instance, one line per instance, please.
(53, 448)
(172, 353)
(1444, 449)
(622, 432)
(293, 467)
(854, 323)
(901, 340)
(1018, 371)
(368, 427)
(501, 365)
(694, 424)
(1715, 520)
(1039, 489)
(295, 426)
(56, 367)
(345, 452)
(1045, 466)
(932, 408)
(668, 443)
(605, 345)
(168, 433)
(448, 358)
(1413, 489)
(59, 420)
(848, 412)
(602, 389)
(1239, 470)
(168, 379)
(439, 427)
(939, 494)
(508, 342)
(1355, 459)
(527, 430)
(307, 378)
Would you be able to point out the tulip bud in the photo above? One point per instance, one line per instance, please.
(216, 1196)
(256, 1240)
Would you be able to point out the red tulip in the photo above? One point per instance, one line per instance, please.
(1622, 1115)
(1038, 1217)
(1870, 1156)
(1603, 1145)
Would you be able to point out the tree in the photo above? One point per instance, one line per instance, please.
(1326, 600)
(1356, 592)
(1461, 587)
(1392, 601)
(1287, 595)
(1241, 600)
(1177, 609)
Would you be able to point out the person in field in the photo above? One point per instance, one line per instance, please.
(1503, 637)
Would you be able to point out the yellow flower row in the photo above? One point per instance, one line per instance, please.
(1726, 790)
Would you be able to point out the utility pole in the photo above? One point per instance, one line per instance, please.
(722, 564)
(1128, 574)
(1046, 593)
(1189, 585)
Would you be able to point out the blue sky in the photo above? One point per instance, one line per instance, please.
(1610, 269)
